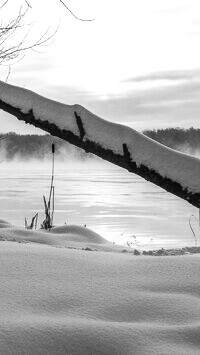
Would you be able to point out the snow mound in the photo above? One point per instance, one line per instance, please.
(71, 236)
(4, 224)
(79, 234)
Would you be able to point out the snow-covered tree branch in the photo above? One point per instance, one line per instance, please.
(176, 172)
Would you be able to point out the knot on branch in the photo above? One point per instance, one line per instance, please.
(127, 156)
(80, 125)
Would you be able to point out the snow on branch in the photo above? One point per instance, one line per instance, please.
(176, 172)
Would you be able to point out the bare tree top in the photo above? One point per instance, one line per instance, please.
(14, 33)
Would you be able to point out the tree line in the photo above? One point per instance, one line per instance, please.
(177, 138)
(27, 147)
(39, 147)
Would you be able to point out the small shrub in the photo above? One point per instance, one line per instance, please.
(136, 252)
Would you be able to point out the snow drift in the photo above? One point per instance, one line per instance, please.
(174, 171)
(68, 236)
(69, 291)
(62, 301)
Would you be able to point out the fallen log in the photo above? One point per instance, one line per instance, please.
(171, 170)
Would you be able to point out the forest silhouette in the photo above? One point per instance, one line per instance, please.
(38, 146)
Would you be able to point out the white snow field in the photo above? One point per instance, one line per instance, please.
(59, 300)
(168, 163)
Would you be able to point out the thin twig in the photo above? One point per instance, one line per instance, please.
(28, 4)
(193, 232)
(5, 2)
(8, 74)
(77, 18)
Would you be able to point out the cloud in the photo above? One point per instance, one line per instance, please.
(163, 106)
(173, 105)
(171, 75)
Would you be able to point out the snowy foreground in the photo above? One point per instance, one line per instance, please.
(58, 296)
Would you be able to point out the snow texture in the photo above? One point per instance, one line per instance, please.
(73, 301)
(181, 168)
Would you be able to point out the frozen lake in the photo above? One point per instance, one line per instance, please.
(106, 198)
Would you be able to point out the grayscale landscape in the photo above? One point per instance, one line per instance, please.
(100, 177)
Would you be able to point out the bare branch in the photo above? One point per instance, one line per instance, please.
(8, 74)
(14, 33)
(11, 29)
(28, 4)
(5, 2)
(77, 18)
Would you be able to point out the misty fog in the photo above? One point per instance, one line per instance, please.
(29, 148)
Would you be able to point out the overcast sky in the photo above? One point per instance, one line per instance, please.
(137, 63)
